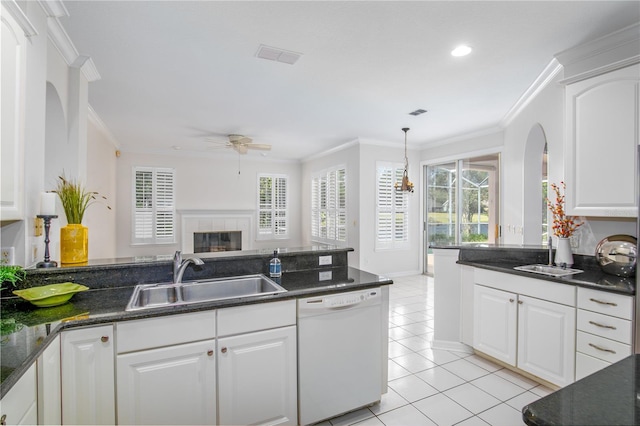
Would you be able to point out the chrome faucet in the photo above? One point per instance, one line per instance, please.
(180, 265)
(550, 245)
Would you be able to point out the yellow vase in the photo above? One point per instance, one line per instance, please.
(74, 244)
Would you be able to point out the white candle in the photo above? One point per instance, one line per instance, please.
(48, 203)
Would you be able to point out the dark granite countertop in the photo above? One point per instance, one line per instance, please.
(36, 327)
(607, 397)
(504, 259)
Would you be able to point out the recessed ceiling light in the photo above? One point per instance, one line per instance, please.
(462, 50)
(176, 147)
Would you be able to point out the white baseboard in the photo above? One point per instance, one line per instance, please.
(451, 346)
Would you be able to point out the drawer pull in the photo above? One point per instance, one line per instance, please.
(602, 325)
(3, 420)
(603, 303)
(602, 349)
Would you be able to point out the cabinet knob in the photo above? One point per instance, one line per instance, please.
(210, 352)
(223, 350)
(104, 339)
(520, 302)
(3, 420)
(511, 300)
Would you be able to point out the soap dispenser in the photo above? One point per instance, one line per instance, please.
(275, 266)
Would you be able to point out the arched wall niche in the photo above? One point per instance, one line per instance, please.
(534, 155)
(58, 158)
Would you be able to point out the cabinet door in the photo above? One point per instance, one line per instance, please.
(602, 138)
(546, 339)
(494, 323)
(49, 402)
(12, 94)
(18, 406)
(257, 378)
(172, 385)
(88, 390)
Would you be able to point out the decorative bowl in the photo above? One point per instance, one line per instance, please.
(617, 255)
(50, 295)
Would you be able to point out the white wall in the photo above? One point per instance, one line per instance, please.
(205, 182)
(101, 221)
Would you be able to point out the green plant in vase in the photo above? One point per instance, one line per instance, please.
(74, 237)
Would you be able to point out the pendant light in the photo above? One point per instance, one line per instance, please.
(406, 185)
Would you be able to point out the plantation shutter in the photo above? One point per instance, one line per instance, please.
(392, 208)
(329, 206)
(273, 220)
(154, 206)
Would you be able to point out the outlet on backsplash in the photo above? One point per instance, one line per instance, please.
(8, 255)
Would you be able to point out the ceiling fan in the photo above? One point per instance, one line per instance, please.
(239, 143)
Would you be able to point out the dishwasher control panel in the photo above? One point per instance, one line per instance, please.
(340, 300)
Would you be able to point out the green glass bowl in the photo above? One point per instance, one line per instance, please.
(50, 295)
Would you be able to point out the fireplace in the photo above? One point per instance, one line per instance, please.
(204, 242)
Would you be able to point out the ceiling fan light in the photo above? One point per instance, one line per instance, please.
(462, 50)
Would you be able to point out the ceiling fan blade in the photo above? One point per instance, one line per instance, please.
(261, 146)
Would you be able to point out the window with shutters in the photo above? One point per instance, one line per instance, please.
(392, 208)
(153, 209)
(273, 214)
(329, 206)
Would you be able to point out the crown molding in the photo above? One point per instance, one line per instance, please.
(97, 121)
(18, 14)
(608, 53)
(550, 72)
(463, 137)
(67, 49)
(330, 151)
(54, 8)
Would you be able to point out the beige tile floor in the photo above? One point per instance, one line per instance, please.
(436, 387)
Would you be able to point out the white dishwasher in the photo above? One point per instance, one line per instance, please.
(339, 353)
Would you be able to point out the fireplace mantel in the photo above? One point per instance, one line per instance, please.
(216, 221)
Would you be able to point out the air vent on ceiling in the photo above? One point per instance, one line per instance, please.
(278, 55)
(418, 112)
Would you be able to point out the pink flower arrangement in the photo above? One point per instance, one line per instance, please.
(563, 226)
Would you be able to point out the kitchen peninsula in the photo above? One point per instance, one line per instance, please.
(307, 272)
(483, 304)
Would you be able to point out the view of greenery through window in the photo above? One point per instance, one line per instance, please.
(461, 193)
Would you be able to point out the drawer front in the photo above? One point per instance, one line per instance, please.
(262, 316)
(540, 289)
(617, 305)
(587, 365)
(605, 325)
(165, 331)
(601, 348)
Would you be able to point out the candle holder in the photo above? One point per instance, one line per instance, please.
(47, 225)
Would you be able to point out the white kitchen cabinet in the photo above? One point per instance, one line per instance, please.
(605, 331)
(257, 378)
(167, 370)
(527, 323)
(495, 323)
(603, 121)
(546, 342)
(169, 385)
(19, 405)
(49, 382)
(12, 101)
(88, 389)
(257, 364)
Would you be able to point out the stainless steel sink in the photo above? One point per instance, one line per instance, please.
(554, 271)
(229, 288)
(148, 296)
